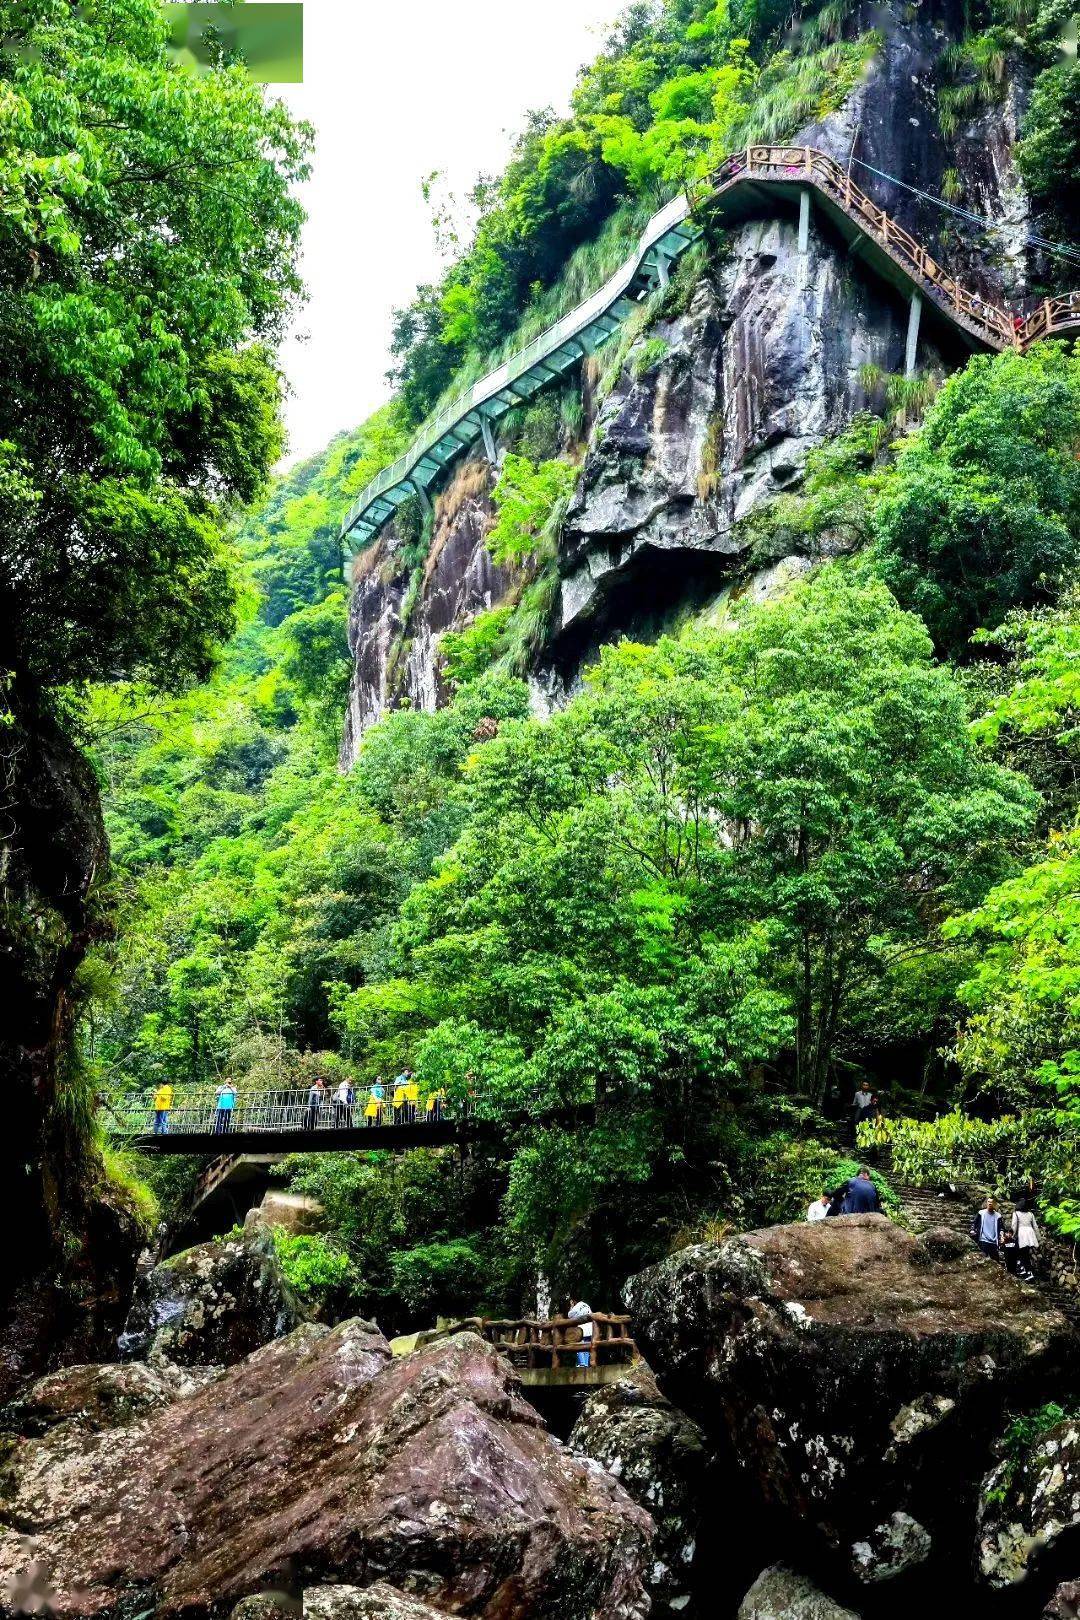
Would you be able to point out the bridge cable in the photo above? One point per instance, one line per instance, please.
(978, 219)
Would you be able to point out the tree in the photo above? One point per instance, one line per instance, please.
(981, 513)
(147, 261)
(1048, 154)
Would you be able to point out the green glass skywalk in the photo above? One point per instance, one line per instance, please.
(469, 418)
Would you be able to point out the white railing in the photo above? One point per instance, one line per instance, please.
(198, 1111)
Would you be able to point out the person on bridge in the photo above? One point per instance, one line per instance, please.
(400, 1085)
(412, 1097)
(163, 1101)
(344, 1097)
(226, 1102)
(315, 1099)
(376, 1098)
(581, 1312)
(436, 1102)
(862, 1197)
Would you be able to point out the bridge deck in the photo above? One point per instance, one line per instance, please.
(388, 1138)
(749, 183)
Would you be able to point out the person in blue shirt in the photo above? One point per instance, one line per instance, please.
(862, 1196)
(987, 1230)
(226, 1102)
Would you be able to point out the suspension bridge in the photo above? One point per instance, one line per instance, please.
(266, 1123)
(751, 182)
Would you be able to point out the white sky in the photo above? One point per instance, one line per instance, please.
(396, 91)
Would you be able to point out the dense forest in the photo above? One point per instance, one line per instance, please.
(823, 839)
(685, 795)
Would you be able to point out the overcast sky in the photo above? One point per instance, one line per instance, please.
(396, 90)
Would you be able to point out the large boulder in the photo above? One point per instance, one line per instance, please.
(1029, 1505)
(322, 1459)
(1064, 1602)
(855, 1375)
(211, 1305)
(782, 1594)
(659, 1455)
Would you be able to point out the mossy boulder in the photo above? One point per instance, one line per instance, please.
(854, 1374)
(211, 1305)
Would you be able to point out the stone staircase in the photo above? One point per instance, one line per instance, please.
(923, 1208)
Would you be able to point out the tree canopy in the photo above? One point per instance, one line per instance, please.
(148, 234)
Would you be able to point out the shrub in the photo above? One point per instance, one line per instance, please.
(315, 1268)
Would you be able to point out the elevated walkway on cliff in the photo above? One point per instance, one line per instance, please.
(751, 183)
(547, 1355)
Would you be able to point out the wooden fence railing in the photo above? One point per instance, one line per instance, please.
(557, 1343)
(805, 165)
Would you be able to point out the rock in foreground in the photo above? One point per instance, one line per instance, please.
(781, 1594)
(320, 1460)
(659, 1456)
(857, 1373)
(1029, 1505)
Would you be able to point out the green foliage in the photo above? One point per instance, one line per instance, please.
(141, 398)
(1048, 155)
(528, 499)
(440, 1278)
(125, 1187)
(675, 90)
(468, 653)
(315, 1268)
(981, 512)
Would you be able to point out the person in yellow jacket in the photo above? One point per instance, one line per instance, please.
(412, 1097)
(163, 1101)
(436, 1102)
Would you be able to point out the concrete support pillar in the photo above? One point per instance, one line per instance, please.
(424, 498)
(804, 220)
(489, 441)
(914, 317)
(663, 269)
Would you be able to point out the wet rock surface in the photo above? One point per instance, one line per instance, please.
(319, 1459)
(396, 658)
(855, 1379)
(100, 1396)
(1030, 1507)
(211, 1305)
(378, 1602)
(782, 1594)
(659, 1456)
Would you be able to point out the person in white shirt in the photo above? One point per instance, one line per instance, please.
(819, 1208)
(582, 1313)
(1025, 1229)
(343, 1105)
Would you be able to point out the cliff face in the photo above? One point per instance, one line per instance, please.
(395, 651)
(69, 1267)
(775, 352)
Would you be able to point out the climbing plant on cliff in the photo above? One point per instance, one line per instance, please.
(147, 245)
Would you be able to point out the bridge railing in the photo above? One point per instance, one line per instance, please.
(197, 1112)
(546, 343)
(808, 165)
(1059, 314)
(527, 1342)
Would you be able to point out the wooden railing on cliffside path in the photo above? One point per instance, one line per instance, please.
(748, 181)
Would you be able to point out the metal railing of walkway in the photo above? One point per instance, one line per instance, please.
(197, 1112)
(287, 1121)
(746, 183)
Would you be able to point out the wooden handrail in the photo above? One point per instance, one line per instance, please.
(787, 164)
